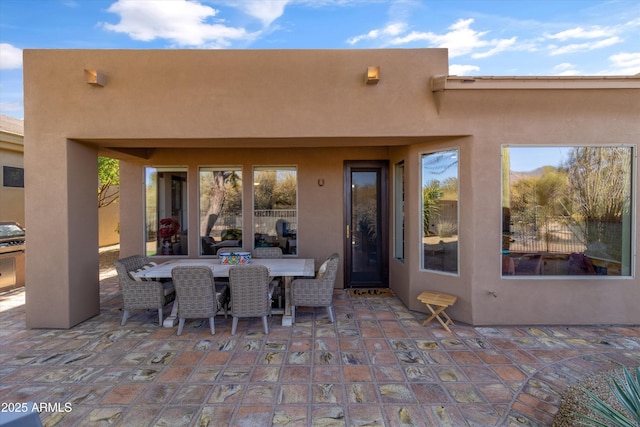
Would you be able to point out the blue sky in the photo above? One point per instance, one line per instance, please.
(499, 37)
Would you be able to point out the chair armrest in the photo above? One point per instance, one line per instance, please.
(311, 291)
(148, 287)
(307, 283)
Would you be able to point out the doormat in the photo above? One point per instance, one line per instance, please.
(371, 293)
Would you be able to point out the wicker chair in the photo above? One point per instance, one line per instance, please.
(141, 294)
(317, 292)
(273, 253)
(222, 283)
(267, 252)
(197, 296)
(250, 294)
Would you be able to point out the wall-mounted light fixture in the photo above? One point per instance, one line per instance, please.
(373, 75)
(321, 182)
(95, 78)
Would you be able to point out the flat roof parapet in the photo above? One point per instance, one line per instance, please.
(441, 83)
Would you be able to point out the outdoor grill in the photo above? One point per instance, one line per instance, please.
(12, 251)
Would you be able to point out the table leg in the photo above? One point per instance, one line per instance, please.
(172, 319)
(286, 316)
(435, 314)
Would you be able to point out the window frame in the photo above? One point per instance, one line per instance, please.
(184, 203)
(271, 167)
(632, 214)
(421, 156)
(399, 217)
(240, 171)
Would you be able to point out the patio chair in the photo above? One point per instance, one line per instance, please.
(316, 292)
(141, 294)
(223, 282)
(273, 253)
(268, 252)
(250, 294)
(197, 296)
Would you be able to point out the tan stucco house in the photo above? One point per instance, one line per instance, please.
(516, 194)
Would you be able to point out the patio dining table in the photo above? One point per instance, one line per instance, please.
(287, 268)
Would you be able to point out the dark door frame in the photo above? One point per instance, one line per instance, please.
(381, 166)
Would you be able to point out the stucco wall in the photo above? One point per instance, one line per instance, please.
(311, 109)
(530, 117)
(193, 94)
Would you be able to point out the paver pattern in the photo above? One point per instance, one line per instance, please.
(377, 366)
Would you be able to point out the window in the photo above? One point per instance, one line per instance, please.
(567, 211)
(399, 211)
(166, 211)
(275, 215)
(440, 211)
(12, 177)
(220, 209)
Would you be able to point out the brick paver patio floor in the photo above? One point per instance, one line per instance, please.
(377, 366)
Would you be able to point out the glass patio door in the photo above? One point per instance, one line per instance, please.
(366, 224)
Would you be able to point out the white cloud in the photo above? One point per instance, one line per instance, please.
(10, 57)
(581, 33)
(585, 39)
(463, 70)
(391, 30)
(265, 11)
(584, 47)
(461, 39)
(499, 46)
(626, 63)
(180, 21)
(564, 66)
(565, 69)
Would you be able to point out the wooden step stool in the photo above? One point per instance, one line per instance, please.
(441, 301)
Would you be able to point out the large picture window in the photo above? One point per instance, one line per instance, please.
(220, 209)
(166, 211)
(440, 211)
(275, 214)
(567, 211)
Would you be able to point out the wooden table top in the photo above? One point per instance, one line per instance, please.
(437, 298)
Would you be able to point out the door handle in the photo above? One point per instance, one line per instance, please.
(348, 232)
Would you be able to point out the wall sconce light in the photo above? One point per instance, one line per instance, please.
(373, 75)
(95, 78)
(321, 182)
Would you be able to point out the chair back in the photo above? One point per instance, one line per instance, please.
(268, 252)
(195, 290)
(124, 267)
(249, 290)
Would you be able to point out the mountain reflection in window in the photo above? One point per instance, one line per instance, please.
(567, 211)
